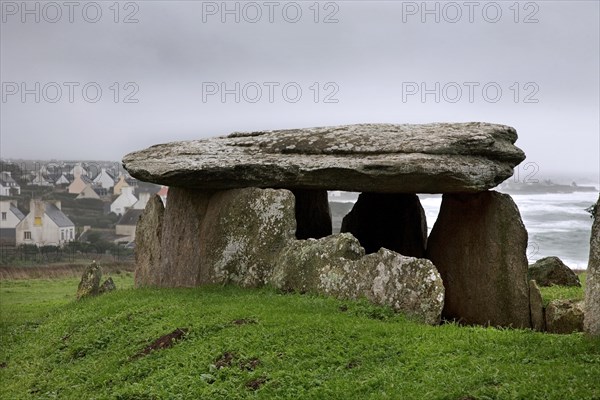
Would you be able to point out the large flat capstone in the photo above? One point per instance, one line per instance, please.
(382, 158)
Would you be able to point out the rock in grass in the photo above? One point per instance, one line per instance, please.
(550, 271)
(536, 307)
(564, 316)
(90, 281)
(336, 266)
(300, 265)
(107, 286)
(412, 286)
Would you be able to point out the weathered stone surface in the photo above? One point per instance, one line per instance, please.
(243, 231)
(478, 244)
(90, 281)
(107, 286)
(536, 307)
(592, 293)
(409, 285)
(180, 239)
(383, 158)
(395, 221)
(313, 218)
(550, 271)
(335, 266)
(299, 266)
(148, 237)
(227, 236)
(564, 316)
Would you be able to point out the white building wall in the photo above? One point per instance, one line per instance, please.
(11, 219)
(126, 230)
(125, 200)
(144, 198)
(4, 190)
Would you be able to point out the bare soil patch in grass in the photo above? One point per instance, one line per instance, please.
(255, 384)
(163, 342)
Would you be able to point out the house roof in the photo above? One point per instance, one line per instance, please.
(130, 217)
(110, 174)
(39, 177)
(85, 179)
(56, 215)
(57, 176)
(104, 171)
(53, 177)
(17, 212)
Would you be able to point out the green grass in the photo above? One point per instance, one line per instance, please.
(308, 347)
(563, 292)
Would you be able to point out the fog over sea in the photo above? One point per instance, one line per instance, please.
(557, 223)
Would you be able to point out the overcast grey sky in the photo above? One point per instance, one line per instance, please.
(531, 65)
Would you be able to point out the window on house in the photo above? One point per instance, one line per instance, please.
(38, 221)
(62, 235)
(71, 234)
(3, 216)
(27, 235)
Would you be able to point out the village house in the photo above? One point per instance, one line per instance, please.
(121, 183)
(125, 201)
(45, 225)
(143, 199)
(10, 216)
(104, 179)
(41, 180)
(88, 192)
(125, 228)
(79, 183)
(62, 179)
(78, 170)
(8, 186)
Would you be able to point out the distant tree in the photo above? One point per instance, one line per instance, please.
(93, 237)
(14, 169)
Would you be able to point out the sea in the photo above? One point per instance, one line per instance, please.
(557, 223)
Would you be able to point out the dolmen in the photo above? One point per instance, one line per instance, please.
(251, 209)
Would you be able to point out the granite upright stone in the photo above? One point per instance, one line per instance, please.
(243, 231)
(181, 259)
(592, 293)
(395, 221)
(148, 242)
(478, 244)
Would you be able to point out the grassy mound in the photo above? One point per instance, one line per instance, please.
(231, 343)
